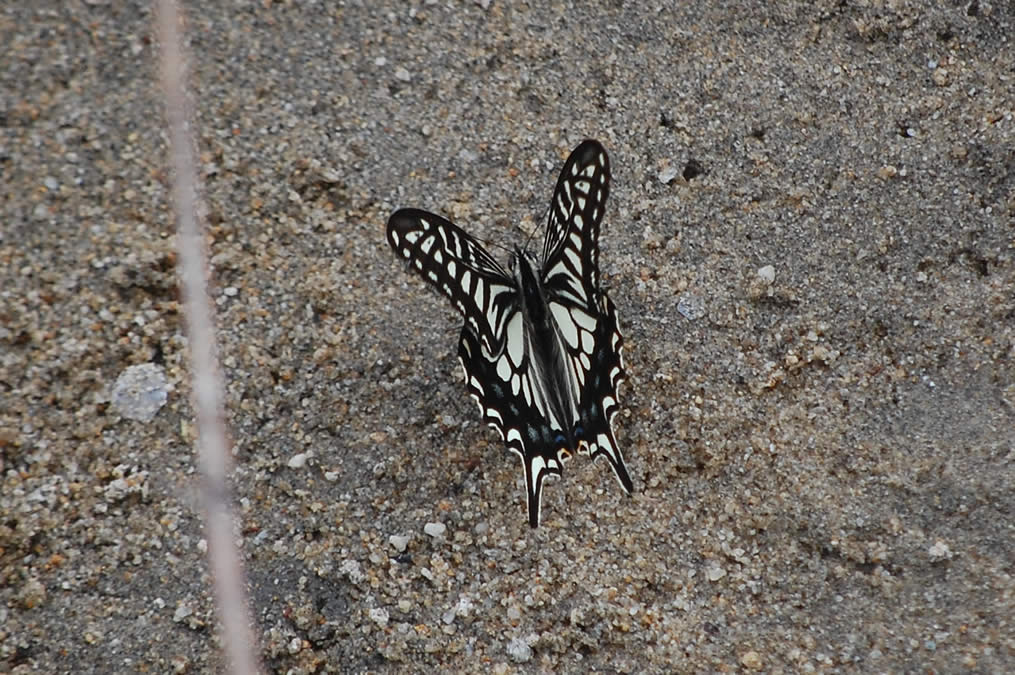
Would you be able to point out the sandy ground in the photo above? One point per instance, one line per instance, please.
(820, 327)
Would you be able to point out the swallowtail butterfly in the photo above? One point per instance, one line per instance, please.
(540, 346)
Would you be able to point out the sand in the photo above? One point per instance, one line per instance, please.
(809, 240)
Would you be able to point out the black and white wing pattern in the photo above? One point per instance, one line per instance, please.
(459, 267)
(585, 317)
(540, 346)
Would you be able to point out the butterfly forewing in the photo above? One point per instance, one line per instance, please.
(571, 250)
(571, 246)
(518, 393)
(459, 267)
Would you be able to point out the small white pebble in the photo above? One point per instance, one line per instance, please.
(939, 551)
(715, 573)
(767, 274)
(435, 529)
(380, 61)
(140, 391)
(402, 74)
(667, 175)
(691, 307)
(399, 541)
(298, 461)
(519, 650)
(351, 569)
(33, 594)
(116, 490)
(379, 615)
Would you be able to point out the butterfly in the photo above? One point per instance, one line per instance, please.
(540, 346)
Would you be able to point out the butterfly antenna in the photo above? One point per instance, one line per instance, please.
(531, 235)
(490, 243)
(497, 246)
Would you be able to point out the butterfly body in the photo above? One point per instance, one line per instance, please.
(545, 345)
(540, 346)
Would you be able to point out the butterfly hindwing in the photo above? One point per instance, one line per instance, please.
(599, 401)
(526, 431)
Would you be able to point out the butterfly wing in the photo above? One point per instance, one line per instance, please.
(598, 404)
(571, 244)
(509, 403)
(459, 267)
(585, 317)
(494, 346)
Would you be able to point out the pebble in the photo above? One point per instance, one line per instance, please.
(939, 551)
(435, 529)
(751, 660)
(380, 616)
(691, 307)
(519, 650)
(667, 175)
(32, 594)
(140, 391)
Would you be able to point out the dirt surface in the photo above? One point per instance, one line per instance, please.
(809, 240)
